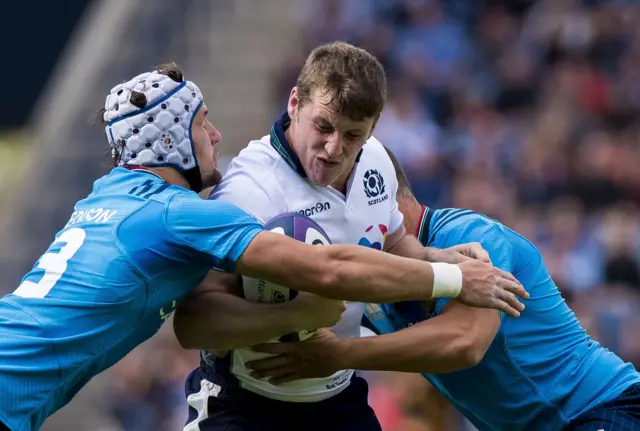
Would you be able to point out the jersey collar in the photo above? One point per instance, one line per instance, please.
(144, 169)
(422, 232)
(281, 145)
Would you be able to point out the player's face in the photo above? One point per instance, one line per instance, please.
(205, 138)
(326, 142)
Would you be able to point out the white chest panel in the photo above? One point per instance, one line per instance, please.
(263, 184)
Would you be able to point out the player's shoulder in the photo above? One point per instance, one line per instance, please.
(151, 201)
(143, 193)
(188, 217)
(456, 225)
(375, 145)
(257, 164)
(375, 160)
(187, 204)
(373, 150)
(257, 159)
(255, 179)
(135, 185)
(121, 195)
(461, 221)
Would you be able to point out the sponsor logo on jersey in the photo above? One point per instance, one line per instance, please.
(316, 209)
(341, 380)
(372, 233)
(374, 187)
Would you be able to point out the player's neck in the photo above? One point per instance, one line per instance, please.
(341, 184)
(412, 211)
(171, 176)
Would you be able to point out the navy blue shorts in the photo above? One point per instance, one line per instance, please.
(619, 414)
(218, 403)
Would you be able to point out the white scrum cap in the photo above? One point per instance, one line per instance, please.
(159, 134)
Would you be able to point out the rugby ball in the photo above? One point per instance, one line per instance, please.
(296, 226)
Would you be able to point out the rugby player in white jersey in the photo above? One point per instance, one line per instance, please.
(320, 160)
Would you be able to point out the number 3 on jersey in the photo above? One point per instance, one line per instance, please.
(53, 264)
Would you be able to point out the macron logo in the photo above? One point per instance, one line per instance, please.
(316, 209)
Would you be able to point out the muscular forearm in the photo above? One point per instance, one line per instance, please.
(364, 275)
(409, 246)
(432, 254)
(437, 348)
(219, 321)
(347, 272)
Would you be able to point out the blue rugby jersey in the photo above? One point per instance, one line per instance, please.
(133, 248)
(542, 370)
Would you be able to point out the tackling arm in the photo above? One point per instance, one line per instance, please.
(455, 340)
(356, 273)
(458, 337)
(223, 236)
(347, 272)
(401, 243)
(213, 317)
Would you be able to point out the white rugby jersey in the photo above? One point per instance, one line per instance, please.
(266, 179)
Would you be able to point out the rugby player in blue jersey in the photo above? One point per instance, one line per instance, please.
(538, 372)
(143, 239)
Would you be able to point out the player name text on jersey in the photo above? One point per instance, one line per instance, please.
(94, 215)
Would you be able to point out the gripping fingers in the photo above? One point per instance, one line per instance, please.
(510, 299)
(518, 290)
(506, 308)
(512, 286)
(480, 253)
(505, 274)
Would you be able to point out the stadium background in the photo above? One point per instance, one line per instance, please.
(523, 110)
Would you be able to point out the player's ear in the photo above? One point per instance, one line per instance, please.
(292, 106)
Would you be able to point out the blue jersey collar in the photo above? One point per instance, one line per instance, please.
(281, 145)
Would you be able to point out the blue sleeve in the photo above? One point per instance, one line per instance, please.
(380, 318)
(472, 227)
(218, 229)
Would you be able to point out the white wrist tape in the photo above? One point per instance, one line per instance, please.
(447, 280)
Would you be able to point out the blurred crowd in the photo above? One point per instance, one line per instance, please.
(522, 110)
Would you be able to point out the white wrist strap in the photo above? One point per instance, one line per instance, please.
(447, 280)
